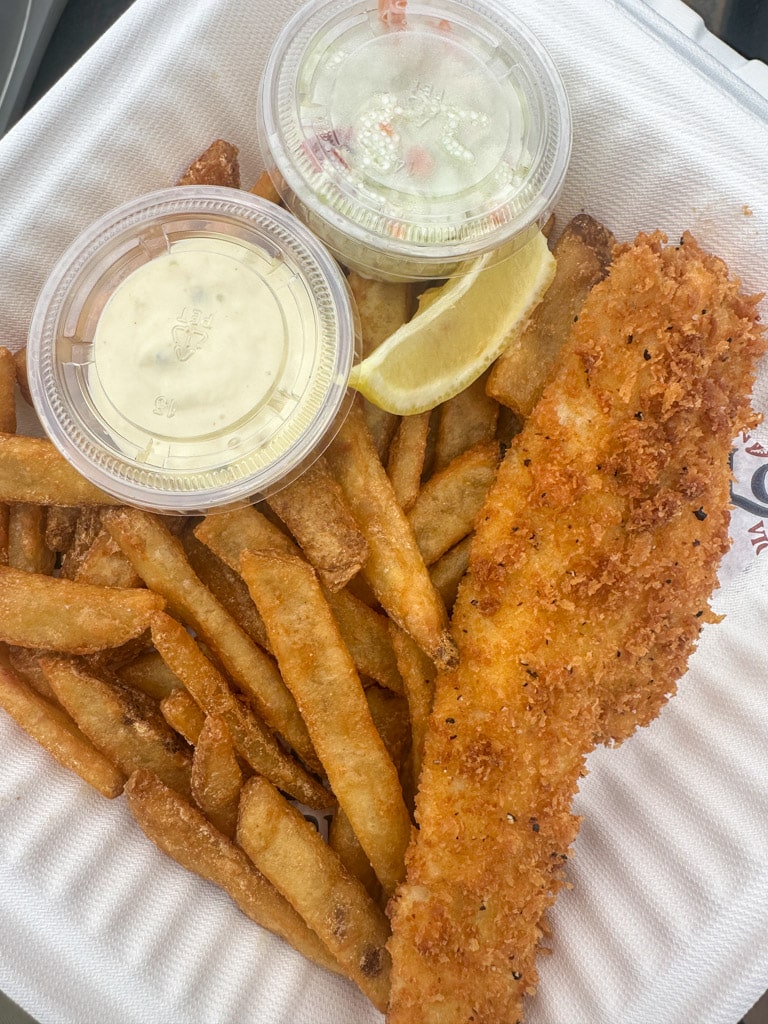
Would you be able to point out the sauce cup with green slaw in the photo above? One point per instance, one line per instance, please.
(413, 137)
(191, 350)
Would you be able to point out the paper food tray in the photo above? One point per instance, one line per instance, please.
(667, 920)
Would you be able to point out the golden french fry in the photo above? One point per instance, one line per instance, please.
(182, 832)
(291, 854)
(395, 568)
(345, 844)
(216, 776)
(449, 502)
(31, 469)
(27, 549)
(314, 510)
(253, 740)
(226, 586)
(448, 571)
(319, 670)
(391, 717)
(51, 727)
(465, 420)
(124, 725)
(418, 674)
(25, 662)
(105, 565)
(149, 673)
(182, 713)
(87, 528)
(228, 534)
(60, 526)
(218, 165)
(264, 188)
(22, 378)
(383, 306)
(367, 638)
(583, 253)
(405, 463)
(159, 559)
(60, 615)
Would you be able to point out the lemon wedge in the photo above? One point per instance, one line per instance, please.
(457, 331)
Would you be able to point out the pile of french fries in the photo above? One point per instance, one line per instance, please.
(243, 675)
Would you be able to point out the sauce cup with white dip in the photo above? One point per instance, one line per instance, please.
(191, 350)
(412, 135)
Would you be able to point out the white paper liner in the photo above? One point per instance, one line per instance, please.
(668, 918)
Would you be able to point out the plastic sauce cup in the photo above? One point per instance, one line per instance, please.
(412, 137)
(191, 350)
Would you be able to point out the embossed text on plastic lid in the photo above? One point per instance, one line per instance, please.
(191, 350)
(413, 136)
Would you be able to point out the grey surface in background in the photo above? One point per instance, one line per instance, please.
(25, 29)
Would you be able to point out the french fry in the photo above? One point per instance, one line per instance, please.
(449, 502)
(367, 638)
(253, 740)
(218, 165)
(51, 727)
(27, 549)
(22, 377)
(583, 253)
(418, 674)
(395, 568)
(465, 420)
(124, 725)
(87, 529)
(76, 618)
(405, 463)
(183, 833)
(60, 525)
(229, 534)
(345, 844)
(32, 470)
(159, 559)
(226, 586)
(320, 672)
(448, 571)
(25, 662)
(183, 714)
(382, 306)
(149, 673)
(105, 565)
(314, 510)
(216, 776)
(291, 854)
(264, 188)
(391, 717)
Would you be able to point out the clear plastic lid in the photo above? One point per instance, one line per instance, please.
(191, 349)
(411, 136)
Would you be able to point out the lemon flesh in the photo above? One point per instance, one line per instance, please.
(458, 332)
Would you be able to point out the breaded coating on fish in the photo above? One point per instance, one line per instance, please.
(590, 574)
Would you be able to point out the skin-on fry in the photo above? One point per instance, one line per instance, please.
(60, 525)
(159, 559)
(253, 740)
(105, 565)
(25, 662)
(314, 510)
(226, 586)
(447, 571)
(183, 714)
(383, 306)
(465, 420)
(22, 377)
(418, 674)
(182, 832)
(218, 165)
(405, 463)
(31, 469)
(149, 673)
(216, 776)
(583, 253)
(124, 725)
(265, 189)
(60, 615)
(449, 502)
(330, 695)
(27, 549)
(229, 534)
(51, 727)
(289, 851)
(394, 568)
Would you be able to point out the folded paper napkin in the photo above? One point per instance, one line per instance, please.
(667, 921)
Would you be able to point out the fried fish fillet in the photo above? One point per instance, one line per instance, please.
(594, 559)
